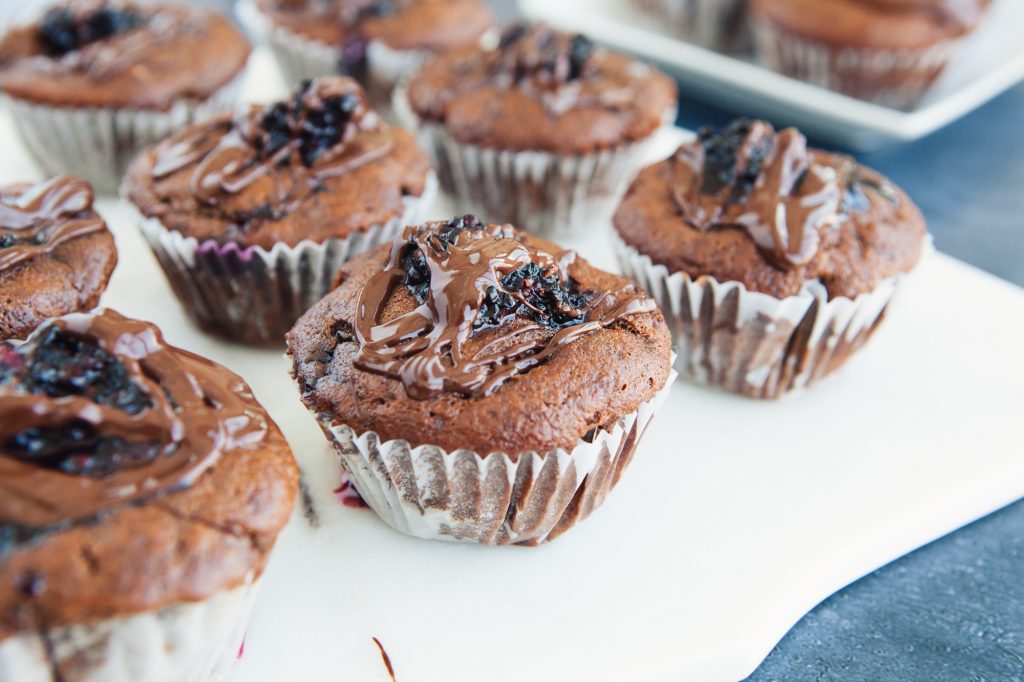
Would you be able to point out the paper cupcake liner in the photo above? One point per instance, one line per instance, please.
(546, 193)
(97, 144)
(186, 642)
(254, 295)
(894, 78)
(495, 499)
(714, 24)
(751, 343)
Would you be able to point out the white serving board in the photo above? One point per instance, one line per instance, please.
(990, 61)
(735, 518)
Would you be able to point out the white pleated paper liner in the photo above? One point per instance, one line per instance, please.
(187, 642)
(495, 499)
(714, 24)
(254, 295)
(752, 343)
(893, 78)
(97, 144)
(548, 194)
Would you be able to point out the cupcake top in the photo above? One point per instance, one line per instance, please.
(756, 206)
(134, 475)
(545, 90)
(96, 53)
(433, 25)
(56, 253)
(877, 23)
(466, 335)
(319, 165)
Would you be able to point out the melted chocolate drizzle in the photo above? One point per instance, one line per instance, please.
(97, 412)
(35, 220)
(324, 130)
(762, 181)
(469, 279)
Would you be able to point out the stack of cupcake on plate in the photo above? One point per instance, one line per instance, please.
(479, 382)
(884, 51)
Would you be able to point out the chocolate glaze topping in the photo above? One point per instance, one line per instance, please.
(762, 181)
(326, 129)
(36, 219)
(103, 39)
(471, 279)
(97, 412)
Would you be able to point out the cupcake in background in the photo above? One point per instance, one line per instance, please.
(481, 384)
(143, 488)
(884, 51)
(544, 132)
(714, 24)
(56, 253)
(251, 215)
(374, 41)
(89, 84)
(772, 262)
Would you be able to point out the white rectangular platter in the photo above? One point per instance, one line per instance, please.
(735, 518)
(990, 61)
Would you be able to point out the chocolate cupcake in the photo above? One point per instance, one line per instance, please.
(714, 24)
(481, 384)
(251, 216)
(56, 253)
(141, 491)
(374, 41)
(885, 51)
(773, 263)
(92, 83)
(544, 132)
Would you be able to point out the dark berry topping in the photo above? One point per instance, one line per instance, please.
(108, 22)
(414, 264)
(540, 295)
(733, 157)
(720, 149)
(77, 449)
(528, 290)
(65, 365)
(62, 30)
(542, 53)
(58, 31)
(7, 240)
(579, 52)
(511, 35)
(317, 126)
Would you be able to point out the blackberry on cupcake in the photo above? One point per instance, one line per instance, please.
(544, 131)
(141, 491)
(772, 262)
(251, 215)
(90, 84)
(479, 383)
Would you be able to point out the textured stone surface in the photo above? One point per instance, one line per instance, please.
(953, 610)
